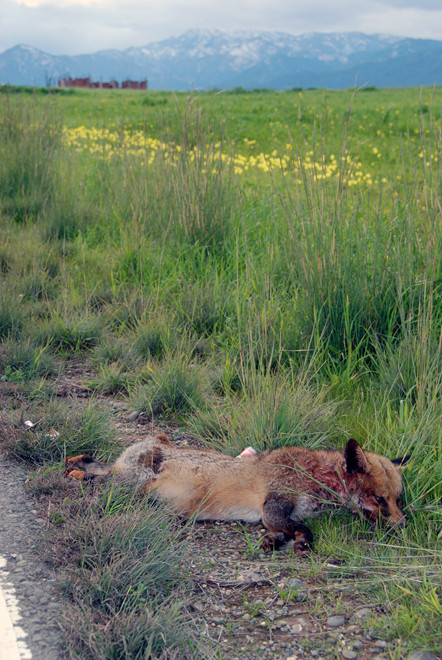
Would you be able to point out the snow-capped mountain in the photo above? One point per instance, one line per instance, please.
(204, 59)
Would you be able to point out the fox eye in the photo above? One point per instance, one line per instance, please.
(380, 500)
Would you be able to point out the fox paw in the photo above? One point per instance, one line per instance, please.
(75, 474)
(74, 459)
(72, 467)
(302, 540)
(271, 542)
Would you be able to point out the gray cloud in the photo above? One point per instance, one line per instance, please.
(116, 24)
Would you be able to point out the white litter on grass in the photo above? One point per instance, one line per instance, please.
(29, 424)
(248, 451)
(13, 646)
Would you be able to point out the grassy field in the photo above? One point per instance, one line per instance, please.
(259, 268)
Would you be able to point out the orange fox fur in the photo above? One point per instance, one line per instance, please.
(280, 487)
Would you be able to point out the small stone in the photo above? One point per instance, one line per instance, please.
(381, 644)
(349, 654)
(296, 629)
(301, 597)
(357, 644)
(294, 583)
(198, 606)
(133, 416)
(422, 655)
(335, 621)
(363, 613)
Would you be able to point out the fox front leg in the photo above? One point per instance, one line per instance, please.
(276, 517)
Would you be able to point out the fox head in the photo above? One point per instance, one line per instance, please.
(374, 484)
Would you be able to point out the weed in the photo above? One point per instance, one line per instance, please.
(111, 350)
(151, 339)
(227, 378)
(11, 314)
(121, 557)
(60, 431)
(112, 379)
(268, 416)
(175, 388)
(70, 335)
(23, 361)
(30, 136)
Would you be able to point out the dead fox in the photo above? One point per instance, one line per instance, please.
(280, 487)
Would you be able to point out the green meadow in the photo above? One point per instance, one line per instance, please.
(256, 268)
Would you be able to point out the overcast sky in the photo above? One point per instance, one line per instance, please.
(85, 26)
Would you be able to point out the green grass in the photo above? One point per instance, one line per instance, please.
(174, 388)
(23, 361)
(60, 430)
(290, 297)
(122, 577)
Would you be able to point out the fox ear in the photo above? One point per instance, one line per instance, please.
(355, 460)
(400, 463)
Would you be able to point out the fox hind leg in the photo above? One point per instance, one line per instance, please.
(84, 467)
(276, 517)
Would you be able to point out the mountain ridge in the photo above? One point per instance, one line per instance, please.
(205, 59)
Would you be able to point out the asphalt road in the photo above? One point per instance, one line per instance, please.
(29, 609)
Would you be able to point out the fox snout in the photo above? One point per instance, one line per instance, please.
(390, 517)
(395, 519)
(379, 510)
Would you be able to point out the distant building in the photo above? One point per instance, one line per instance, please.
(86, 83)
(113, 84)
(132, 84)
(74, 82)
